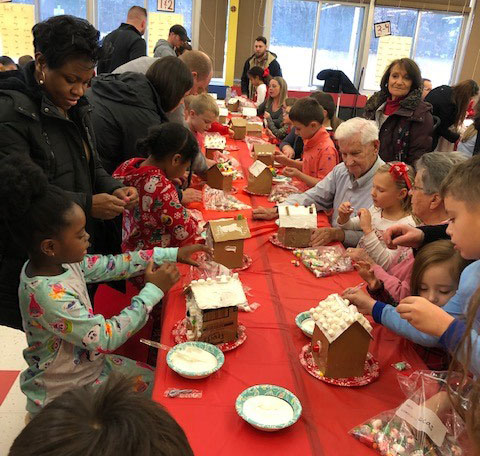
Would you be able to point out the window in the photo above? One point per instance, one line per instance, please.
(49, 8)
(111, 13)
(336, 48)
(293, 31)
(434, 36)
(293, 36)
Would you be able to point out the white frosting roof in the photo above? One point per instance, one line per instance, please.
(249, 112)
(223, 291)
(257, 168)
(215, 142)
(297, 216)
(334, 316)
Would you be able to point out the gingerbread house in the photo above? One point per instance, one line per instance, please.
(220, 176)
(214, 143)
(233, 104)
(340, 339)
(264, 153)
(223, 115)
(254, 129)
(239, 127)
(296, 224)
(259, 178)
(212, 309)
(226, 237)
(248, 111)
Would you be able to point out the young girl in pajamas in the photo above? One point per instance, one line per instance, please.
(68, 344)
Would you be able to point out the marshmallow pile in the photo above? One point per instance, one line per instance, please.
(334, 315)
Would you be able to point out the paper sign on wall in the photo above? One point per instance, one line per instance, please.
(166, 5)
(159, 26)
(16, 29)
(391, 48)
(382, 29)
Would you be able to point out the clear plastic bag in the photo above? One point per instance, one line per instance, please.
(281, 192)
(218, 200)
(425, 424)
(325, 261)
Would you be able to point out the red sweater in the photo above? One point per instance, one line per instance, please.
(160, 220)
(218, 128)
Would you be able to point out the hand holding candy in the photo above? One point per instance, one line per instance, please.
(344, 211)
(424, 315)
(359, 298)
(364, 268)
(365, 220)
(291, 172)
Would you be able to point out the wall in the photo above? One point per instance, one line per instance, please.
(250, 25)
(213, 26)
(471, 63)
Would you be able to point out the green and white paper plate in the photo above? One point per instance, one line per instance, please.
(202, 345)
(268, 390)
(300, 318)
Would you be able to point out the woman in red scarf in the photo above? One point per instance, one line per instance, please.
(404, 120)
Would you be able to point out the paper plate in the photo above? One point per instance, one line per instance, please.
(179, 333)
(246, 263)
(371, 373)
(204, 346)
(280, 179)
(269, 390)
(256, 194)
(274, 240)
(300, 318)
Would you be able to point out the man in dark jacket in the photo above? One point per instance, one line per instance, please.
(126, 42)
(263, 59)
(126, 105)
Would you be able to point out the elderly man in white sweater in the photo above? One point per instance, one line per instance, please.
(350, 180)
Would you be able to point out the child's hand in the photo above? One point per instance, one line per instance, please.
(344, 211)
(281, 158)
(184, 253)
(424, 315)
(358, 254)
(364, 268)
(269, 133)
(190, 195)
(266, 115)
(359, 298)
(164, 276)
(291, 172)
(365, 220)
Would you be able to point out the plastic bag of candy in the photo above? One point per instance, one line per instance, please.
(425, 424)
(218, 200)
(325, 261)
(281, 192)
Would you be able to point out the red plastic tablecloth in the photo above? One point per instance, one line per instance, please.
(271, 355)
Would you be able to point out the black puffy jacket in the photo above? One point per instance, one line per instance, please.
(31, 124)
(125, 106)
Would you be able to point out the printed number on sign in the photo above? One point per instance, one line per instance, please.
(166, 5)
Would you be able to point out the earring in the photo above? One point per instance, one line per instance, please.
(41, 81)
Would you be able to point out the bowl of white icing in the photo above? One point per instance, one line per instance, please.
(268, 407)
(306, 323)
(195, 360)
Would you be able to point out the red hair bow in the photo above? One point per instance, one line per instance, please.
(266, 73)
(400, 171)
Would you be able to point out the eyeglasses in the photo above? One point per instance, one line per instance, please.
(414, 187)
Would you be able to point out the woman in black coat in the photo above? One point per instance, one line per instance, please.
(450, 105)
(44, 114)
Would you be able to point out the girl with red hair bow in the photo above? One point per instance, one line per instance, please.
(391, 205)
(260, 79)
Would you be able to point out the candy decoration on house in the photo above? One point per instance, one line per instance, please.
(220, 176)
(296, 224)
(212, 309)
(340, 339)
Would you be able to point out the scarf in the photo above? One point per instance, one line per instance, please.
(392, 106)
